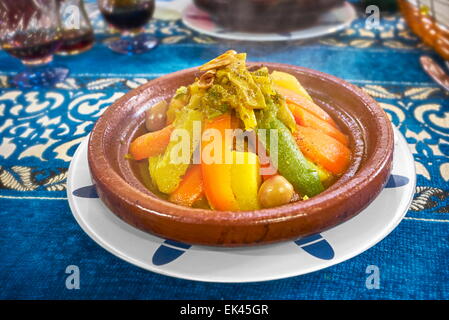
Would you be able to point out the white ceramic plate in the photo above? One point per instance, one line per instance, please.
(247, 264)
(335, 20)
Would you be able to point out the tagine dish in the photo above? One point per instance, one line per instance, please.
(236, 153)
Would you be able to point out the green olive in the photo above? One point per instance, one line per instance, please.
(275, 191)
(156, 116)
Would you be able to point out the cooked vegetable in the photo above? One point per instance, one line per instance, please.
(179, 100)
(296, 100)
(156, 116)
(276, 104)
(215, 169)
(284, 113)
(214, 102)
(151, 143)
(275, 191)
(284, 139)
(234, 88)
(289, 82)
(290, 161)
(221, 61)
(264, 81)
(326, 177)
(307, 119)
(153, 169)
(207, 79)
(190, 189)
(169, 167)
(324, 150)
(245, 179)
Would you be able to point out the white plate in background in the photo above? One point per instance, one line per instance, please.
(335, 20)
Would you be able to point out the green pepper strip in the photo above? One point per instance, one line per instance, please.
(292, 164)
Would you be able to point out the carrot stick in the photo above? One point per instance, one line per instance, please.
(301, 101)
(217, 175)
(190, 189)
(322, 149)
(307, 119)
(151, 143)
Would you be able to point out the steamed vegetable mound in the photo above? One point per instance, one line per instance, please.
(237, 139)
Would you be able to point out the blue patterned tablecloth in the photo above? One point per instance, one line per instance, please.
(41, 129)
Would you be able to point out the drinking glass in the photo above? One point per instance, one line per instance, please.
(77, 31)
(129, 17)
(30, 31)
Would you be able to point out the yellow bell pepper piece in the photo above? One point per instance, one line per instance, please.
(245, 179)
(290, 82)
(217, 174)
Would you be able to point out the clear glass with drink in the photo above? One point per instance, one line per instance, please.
(129, 17)
(30, 31)
(77, 31)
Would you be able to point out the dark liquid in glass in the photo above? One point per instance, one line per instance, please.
(76, 41)
(130, 17)
(32, 45)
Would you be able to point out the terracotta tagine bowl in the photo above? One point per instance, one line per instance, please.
(358, 115)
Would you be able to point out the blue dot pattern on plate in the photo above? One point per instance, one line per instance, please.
(316, 246)
(86, 192)
(169, 251)
(396, 181)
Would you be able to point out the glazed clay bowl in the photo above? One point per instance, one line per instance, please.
(266, 15)
(358, 115)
